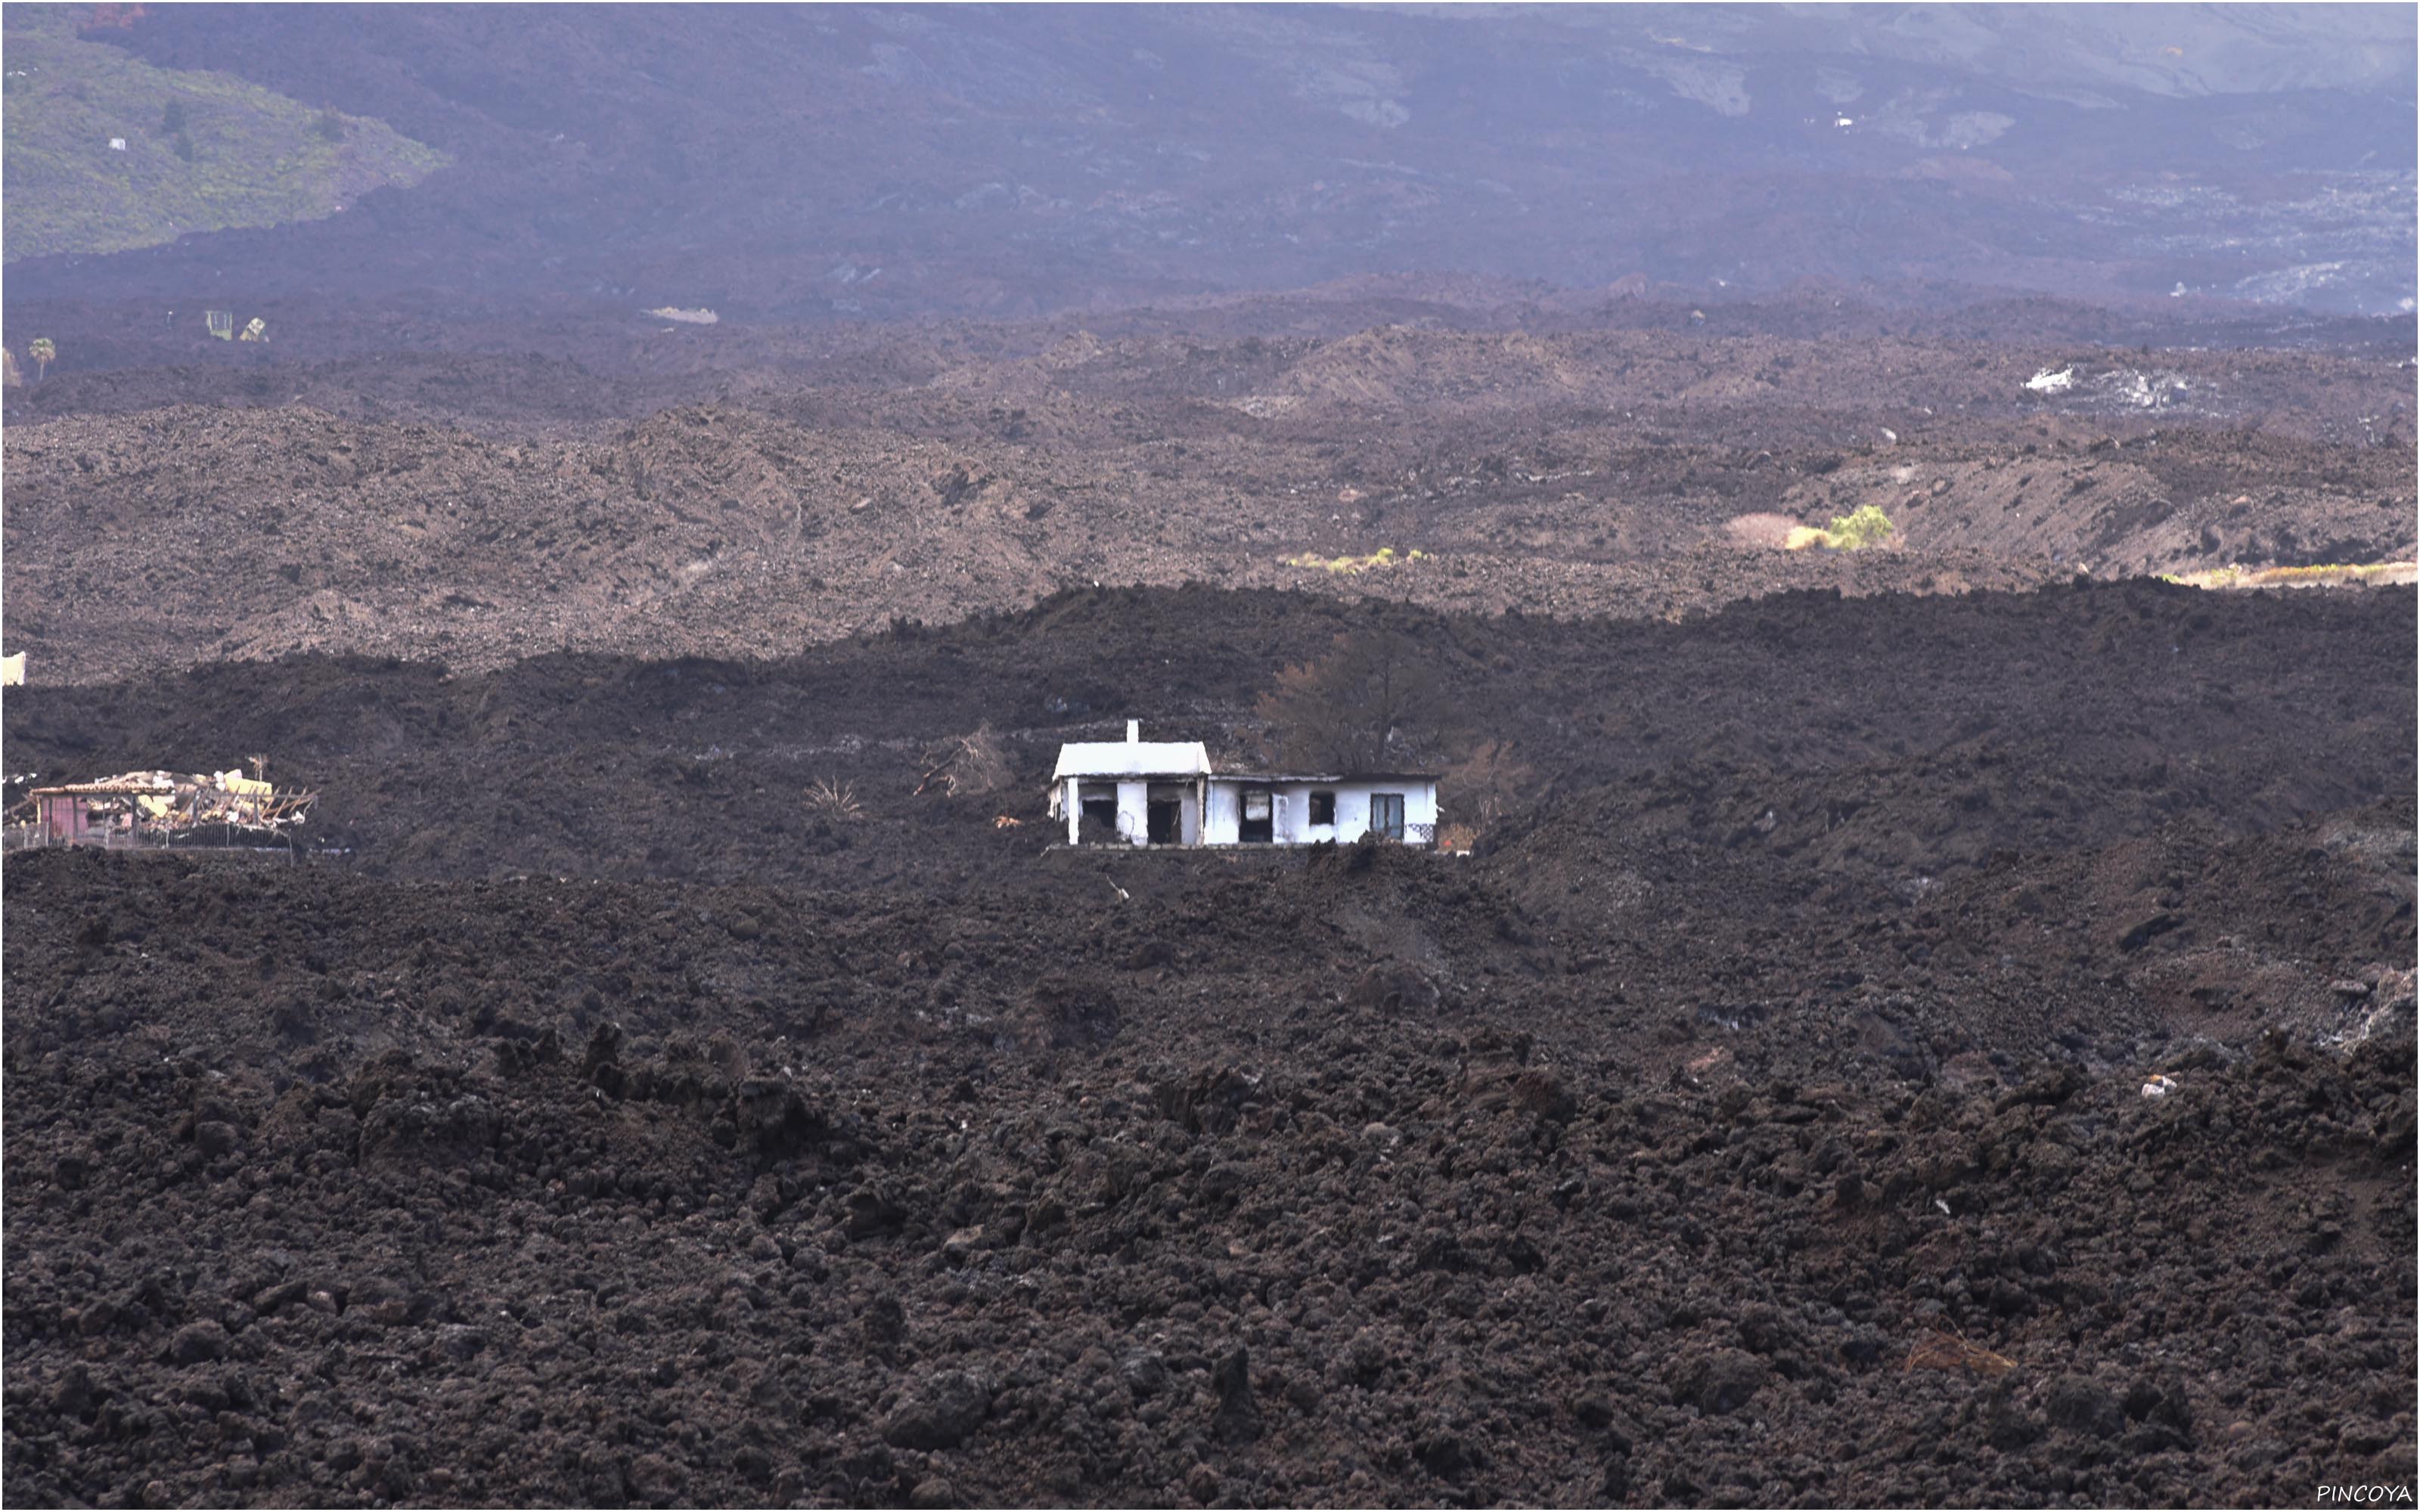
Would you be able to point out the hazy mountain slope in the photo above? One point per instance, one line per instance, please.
(801, 162)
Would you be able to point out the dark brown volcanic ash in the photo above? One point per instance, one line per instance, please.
(636, 1193)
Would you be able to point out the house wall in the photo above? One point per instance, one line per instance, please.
(64, 818)
(1220, 822)
(1134, 807)
(1223, 814)
(1292, 816)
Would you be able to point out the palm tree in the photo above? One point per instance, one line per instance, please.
(43, 354)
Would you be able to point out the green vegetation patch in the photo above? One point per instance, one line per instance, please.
(1348, 565)
(2317, 575)
(1863, 527)
(204, 151)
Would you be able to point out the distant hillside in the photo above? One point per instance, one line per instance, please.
(831, 161)
(204, 151)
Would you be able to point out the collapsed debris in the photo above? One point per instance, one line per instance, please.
(971, 765)
(156, 808)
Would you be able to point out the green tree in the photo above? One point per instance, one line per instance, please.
(44, 354)
(172, 118)
(330, 126)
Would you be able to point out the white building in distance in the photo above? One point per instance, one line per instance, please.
(1163, 793)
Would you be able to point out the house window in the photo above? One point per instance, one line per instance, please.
(1322, 807)
(1386, 816)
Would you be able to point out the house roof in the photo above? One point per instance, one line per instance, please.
(145, 782)
(1328, 776)
(1132, 758)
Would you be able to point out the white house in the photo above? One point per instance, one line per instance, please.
(1163, 793)
(1137, 792)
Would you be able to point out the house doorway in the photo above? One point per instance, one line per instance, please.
(1098, 814)
(1257, 824)
(1165, 819)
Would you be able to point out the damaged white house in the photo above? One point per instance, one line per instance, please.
(1141, 792)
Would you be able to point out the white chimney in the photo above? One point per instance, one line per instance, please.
(1134, 731)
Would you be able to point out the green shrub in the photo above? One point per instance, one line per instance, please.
(1861, 527)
